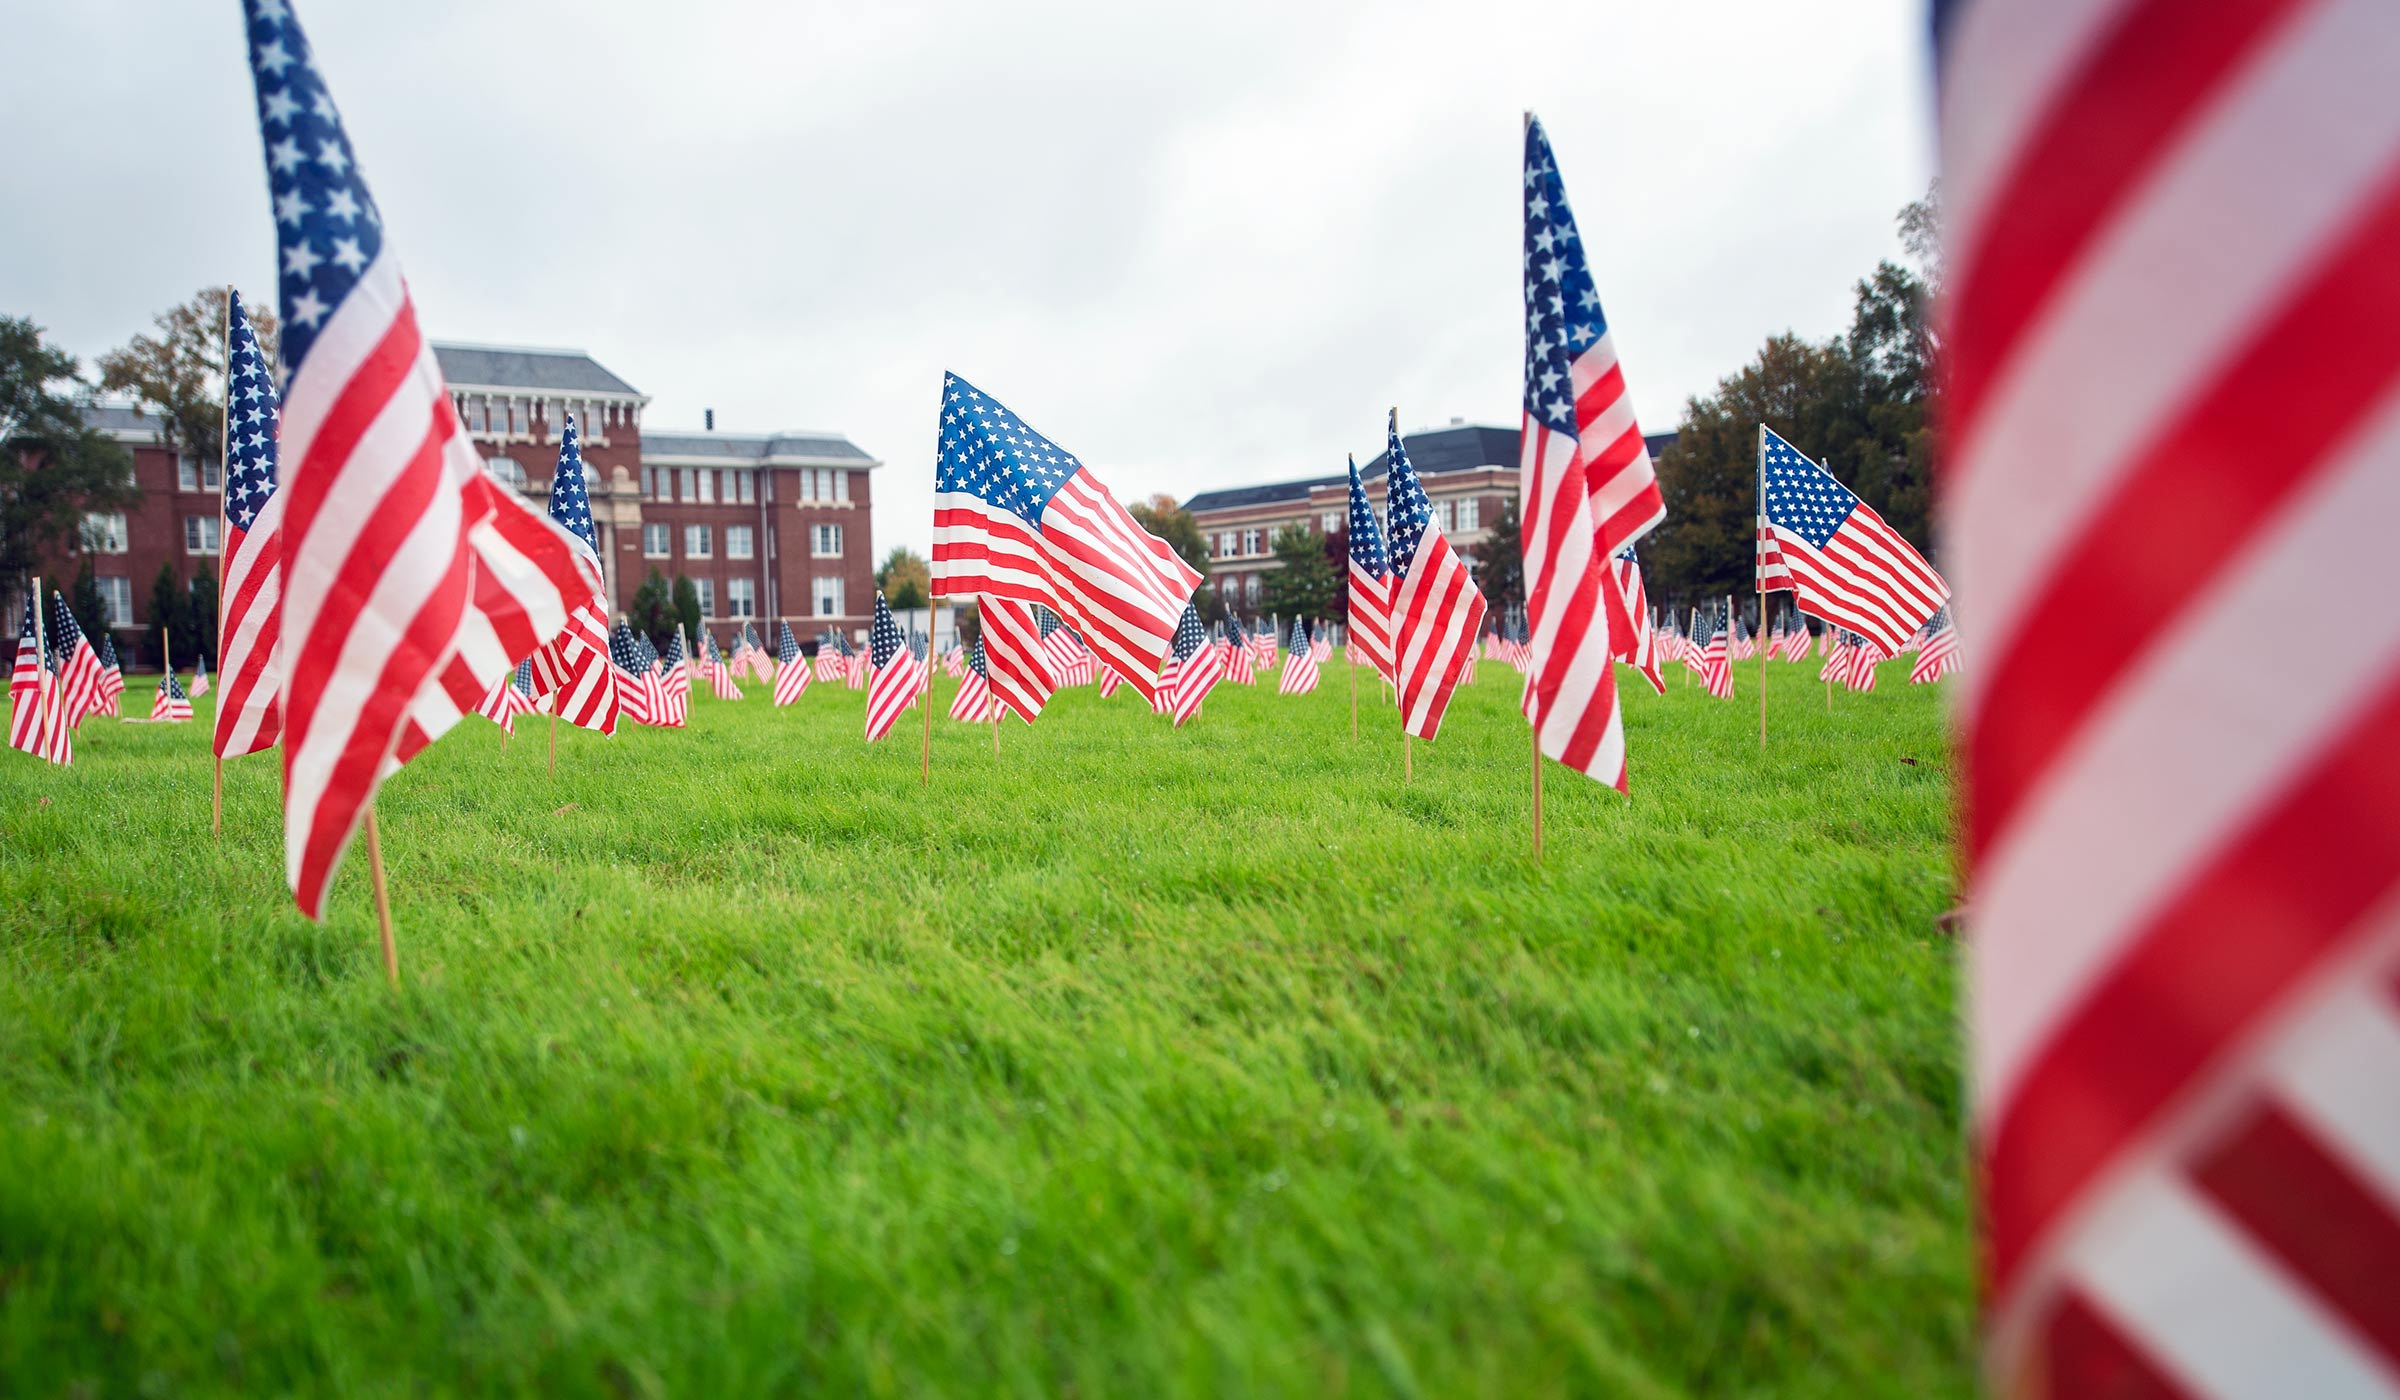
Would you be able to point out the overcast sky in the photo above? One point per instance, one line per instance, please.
(1200, 246)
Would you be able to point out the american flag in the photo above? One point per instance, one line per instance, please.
(1638, 648)
(1716, 659)
(170, 704)
(1198, 667)
(199, 678)
(1865, 656)
(1370, 582)
(31, 687)
(674, 685)
(718, 671)
(896, 671)
(2171, 379)
(78, 666)
(1436, 612)
(1320, 642)
(1842, 563)
(973, 703)
(637, 684)
(1070, 661)
(1109, 681)
(1587, 490)
(509, 697)
(856, 664)
(954, 661)
(1837, 657)
(791, 673)
(572, 671)
(1017, 516)
(1240, 659)
(1015, 662)
(250, 708)
(112, 676)
(1299, 666)
(1937, 653)
(411, 581)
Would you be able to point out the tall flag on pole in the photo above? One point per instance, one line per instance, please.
(574, 669)
(1436, 612)
(411, 580)
(31, 687)
(112, 676)
(2170, 414)
(973, 703)
(78, 666)
(1588, 489)
(894, 687)
(1841, 561)
(1299, 665)
(250, 692)
(1017, 516)
(791, 673)
(1370, 585)
(1198, 667)
(1017, 666)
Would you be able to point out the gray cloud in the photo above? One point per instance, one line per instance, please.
(1200, 245)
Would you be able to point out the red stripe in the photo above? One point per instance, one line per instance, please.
(354, 410)
(2313, 1213)
(2326, 362)
(2083, 1356)
(2260, 914)
(2116, 117)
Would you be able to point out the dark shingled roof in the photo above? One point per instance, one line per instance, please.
(543, 371)
(752, 447)
(119, 418)
(1433, 452)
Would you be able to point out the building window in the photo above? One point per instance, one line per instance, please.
(194, 472)
(116, 594)
(1329, 522)
(745, 487)
(507, 471)
(708, 487)
(708, 595)
(829, 596)
(696, 541)
(684, 489)
(741, 597)
(825, 541)
(841, 486)
(1470, 511)
(200, 534)
(1250, 590)
(657, 541)
(650, 483)
(104, 532)
(738, 542)
(1252, 540)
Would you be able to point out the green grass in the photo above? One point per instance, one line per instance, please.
(1133, 1062)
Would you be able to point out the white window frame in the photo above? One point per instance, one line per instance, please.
(1329, 522)
(664, 535)
(707, 589)
(104, 532)
(194, 472)
(1470, 514)
(818, 537)
(741, 542)
(116, 595)
(745, 488)
(699, 542)
(829, 596)
(707, 478)
(200, 534)
(741, 597)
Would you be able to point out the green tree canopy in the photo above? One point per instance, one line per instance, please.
(905, 578)
(53, 466)
(178, 374)
(171, 613)
(653, 610)
(1164, 517)
(1500, 561)
(687, 609)
(1305, 585)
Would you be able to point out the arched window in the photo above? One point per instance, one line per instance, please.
(506, 471)
(1250, 590)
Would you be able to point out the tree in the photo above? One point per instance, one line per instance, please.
(653, 610)
(1304, 586)
(1210, 606)
(171, 611)
(53, 465)
(179, 373)
(83, 600)
(204, 612)
(905, 578)
(1500, 561)
(966, 623)
(687, 609)
(1163, 517)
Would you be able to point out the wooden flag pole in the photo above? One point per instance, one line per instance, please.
(925, 754)
(166, 651)
(1762, 673)
(383, 901)
(41, 659)
(216, 785)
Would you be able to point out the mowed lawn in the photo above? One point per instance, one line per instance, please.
(1131, 1061)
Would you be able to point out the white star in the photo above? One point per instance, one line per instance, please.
(290, 206)
(273, 11)
(307, 311)
(300, 260)
(323, 107)
(1545, 238)
(284, 154)
(345, 252)
(274, 58)
(280, 107)
(331, 156)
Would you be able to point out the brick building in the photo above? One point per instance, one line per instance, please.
(766, 526)
(1469, 471)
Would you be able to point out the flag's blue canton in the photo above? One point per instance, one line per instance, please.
(175, 687)
(1562, 307)
(1366, 538)
(623, 649)
(1411, 513)
(1801, 496)
(1299, 637)
(975, 658)
(675, 650)
(25, 628)
(649, 652)
(250, 409)
(787, 646)
(64, 634)
(326, 224)
(1189, 635)
(988, 451)
(885, 639)
(570, 500)
(108, 651)
(1046, 620)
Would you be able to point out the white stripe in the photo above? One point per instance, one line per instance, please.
(2203, 1303)
(2183, 753)
(2335, 1073)
(2130, 336)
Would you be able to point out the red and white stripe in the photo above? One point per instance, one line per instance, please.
(791, 681)
(973, 703)
(168, 705)
(249, 710)
(1573, 601)
(30, 729)
(1866, 578)
(504, 702)
(891, 691)
(1300, 667)
(1716, 665)
(1937, 657)
(1019, 666)
(1198, 675)
(1631, 639)
(2186, 872)
(1370, 604)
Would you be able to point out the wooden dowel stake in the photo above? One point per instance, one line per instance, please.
(383, 901)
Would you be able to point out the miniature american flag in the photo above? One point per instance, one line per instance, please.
(170, 704)
(1937, 654)
(1299, 665)
(1016, 664)
(510, 696)
(1716, 659)
(77, 665)
(897, 669)
(112, 676)
(31, 686)
(1841, 561)
(973, 703)
(249, 714)
(1198, 668)
(1370, 582)
(1240, 660)
(1436, 612)
(791, 673)
(1017, 516)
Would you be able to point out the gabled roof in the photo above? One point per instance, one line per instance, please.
(535, 370)
(792, 447)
